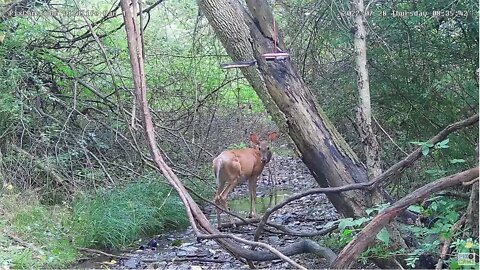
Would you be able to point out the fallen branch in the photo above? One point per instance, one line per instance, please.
(122, 257)
(282, 228)
(289, 231)
(261, 225)
(305, 246)
(197, 259)
(256, 244)
(103, 253)
(350, 252)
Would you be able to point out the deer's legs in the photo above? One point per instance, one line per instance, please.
(252, 189)
(221, 199)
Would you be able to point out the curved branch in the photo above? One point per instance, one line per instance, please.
(199, 222)
(350, 252)
(304, 246)
(261, 225)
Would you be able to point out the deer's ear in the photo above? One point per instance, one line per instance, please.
(254, 139)
(272, 136)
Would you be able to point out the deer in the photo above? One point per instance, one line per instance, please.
(232, 167)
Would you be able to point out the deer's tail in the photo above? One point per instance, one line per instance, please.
(217, 166)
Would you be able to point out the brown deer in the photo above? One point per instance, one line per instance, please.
(232, 167)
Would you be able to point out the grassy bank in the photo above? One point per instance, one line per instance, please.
(33, 235)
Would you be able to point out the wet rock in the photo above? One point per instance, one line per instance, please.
(157, 265)
(274, 239)
(189, 250)
(131, 263)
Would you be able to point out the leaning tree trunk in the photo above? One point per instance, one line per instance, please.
(246, 35)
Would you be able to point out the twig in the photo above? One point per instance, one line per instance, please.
(289, 231)
(198, 260)
(270, 211)
(390, 138)
(96, 251)
(470, 182)
(22, 242)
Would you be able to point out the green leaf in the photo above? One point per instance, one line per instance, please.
(383, 236)
(360, 221)
(452, 216)
(425, 149)
(443, 144)
(415, 208)
(346, 232)
(436, 172)
(344, 223)
(454, 265)
(455, 160)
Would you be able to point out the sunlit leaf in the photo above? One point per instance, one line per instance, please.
(384, 236)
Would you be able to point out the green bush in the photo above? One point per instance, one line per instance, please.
(118, 217)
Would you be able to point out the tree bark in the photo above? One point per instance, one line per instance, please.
(371, 147)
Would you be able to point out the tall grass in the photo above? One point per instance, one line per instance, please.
(118, 217)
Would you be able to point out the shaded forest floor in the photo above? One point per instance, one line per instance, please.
(180, 250)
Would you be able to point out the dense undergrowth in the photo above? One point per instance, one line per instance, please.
(36, 235)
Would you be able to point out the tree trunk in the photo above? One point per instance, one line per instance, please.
(472, 210)
(364, 110)
(371, 148)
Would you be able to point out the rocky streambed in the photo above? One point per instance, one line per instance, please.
(181, 250)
